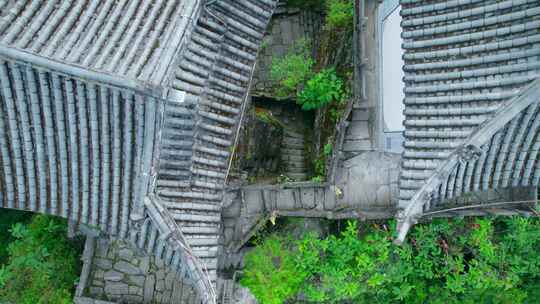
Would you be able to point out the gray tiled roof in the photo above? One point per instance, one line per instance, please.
(137, 39)
(467, 63)
(92, 129)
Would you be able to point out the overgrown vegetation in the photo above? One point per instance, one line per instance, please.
(446, 261)
(291, 71)
(320, 84)
(322, 89)
(8, 218)
(43, 265)
(339, 14)
(319, 164)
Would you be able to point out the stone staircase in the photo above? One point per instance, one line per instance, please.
(293, 155)
(358, 137)
(227, 291)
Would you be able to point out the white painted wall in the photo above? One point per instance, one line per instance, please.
(392, 73)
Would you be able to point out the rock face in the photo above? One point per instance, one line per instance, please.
(272, 140)
(122, 274)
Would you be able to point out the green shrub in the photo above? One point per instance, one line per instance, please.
(445, 261)
(43, 265)
(270, 272)
(9, 217)
(322, 89)
(339, 14)
(289, 73)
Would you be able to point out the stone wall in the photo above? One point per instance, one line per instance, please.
(287, 26)
(123, 275)
(366, 188)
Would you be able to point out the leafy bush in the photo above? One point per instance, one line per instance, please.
(321, 89)
(270, 272)
(340, 14)
(446, 261)
(291, 71)
(9, 217)
(43, 265)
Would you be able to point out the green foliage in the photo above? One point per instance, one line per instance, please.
(322, 89)
(43, 265)
(327, 150)
(270, 272)
(291, 71)
(339, 14)
(8, 218)
(306, 4)
(284, 179)
(446, 261)
(319, 166)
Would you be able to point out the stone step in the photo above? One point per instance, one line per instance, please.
(289, 133)
(291, 145)
(190, 195)
(209, 253)
(201, 230)
(210, 263)
(295, 164)
(357, 145)
(193, 206)
(202, 241)
(297, 176)
(296, 170)
(293, 140)
(296, 152)
(357, 130)
(292, 158)
(186, 217)
(360, 114)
